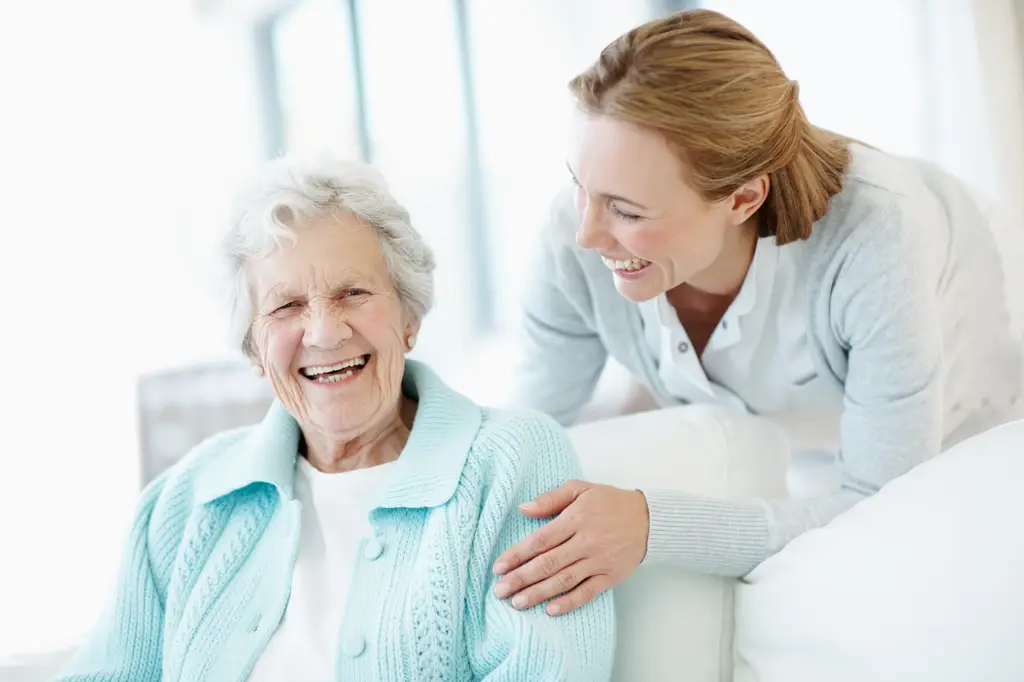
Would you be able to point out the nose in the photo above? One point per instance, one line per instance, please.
(591, 233)
(327, 325)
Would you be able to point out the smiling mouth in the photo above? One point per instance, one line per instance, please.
(332, 374)
(631, 265)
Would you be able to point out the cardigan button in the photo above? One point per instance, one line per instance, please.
(354, 646)
(373, 549)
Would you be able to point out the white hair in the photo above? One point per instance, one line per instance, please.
(290, 190)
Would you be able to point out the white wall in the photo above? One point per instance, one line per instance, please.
(122, 125)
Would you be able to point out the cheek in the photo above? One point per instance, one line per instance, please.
(682, 237)
(381, 325)
(279, 342)
(646, 239)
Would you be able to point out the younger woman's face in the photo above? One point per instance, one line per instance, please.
(653, 230)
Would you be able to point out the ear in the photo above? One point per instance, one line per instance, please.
(748, 198)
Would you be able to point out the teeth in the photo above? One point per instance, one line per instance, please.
(632, 264)
(335, 378)
(354, 362)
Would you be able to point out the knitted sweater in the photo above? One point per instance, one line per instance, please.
(205, 578)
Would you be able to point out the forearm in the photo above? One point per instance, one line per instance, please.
(727, 537)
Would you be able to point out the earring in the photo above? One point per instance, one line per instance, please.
(257, 370)
(411, 341)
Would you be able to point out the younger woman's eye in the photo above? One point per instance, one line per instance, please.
(630, 217)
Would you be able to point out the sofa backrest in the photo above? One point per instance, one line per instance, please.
(673, 624)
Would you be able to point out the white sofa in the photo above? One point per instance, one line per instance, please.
(922, 582)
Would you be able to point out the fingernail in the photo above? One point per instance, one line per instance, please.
(501, 590)
(518, 601)
(500, 569)
(527, 506)
(554, 609)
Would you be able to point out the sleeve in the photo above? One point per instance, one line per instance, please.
(884, 311)
(561, 356)
(505, 645)
(126, 644)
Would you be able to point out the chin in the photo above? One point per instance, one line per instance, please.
(643, 288)
(637, 292)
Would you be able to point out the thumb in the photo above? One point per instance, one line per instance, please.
(553, 501)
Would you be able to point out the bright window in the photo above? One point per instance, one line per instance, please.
(316, 87)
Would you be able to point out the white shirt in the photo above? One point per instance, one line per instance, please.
(757, 360)
(335, 519)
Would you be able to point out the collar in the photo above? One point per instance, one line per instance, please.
(425, 475)
(757, 284)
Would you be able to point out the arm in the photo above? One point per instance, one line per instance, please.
(883, 309)
(126, 645)
(530, 454)
(562, 356)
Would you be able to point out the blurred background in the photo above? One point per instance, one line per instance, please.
(127, 125)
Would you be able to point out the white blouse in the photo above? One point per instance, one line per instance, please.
(757, 359)
(335, 519)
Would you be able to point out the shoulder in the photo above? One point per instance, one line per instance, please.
(890, 220)
(524, 444)
(885, 203)
(174, 492)
(562, 219)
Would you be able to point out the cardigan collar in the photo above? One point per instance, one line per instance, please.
(425, 474)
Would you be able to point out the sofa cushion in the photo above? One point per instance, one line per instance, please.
(673, 624)
(923, 581)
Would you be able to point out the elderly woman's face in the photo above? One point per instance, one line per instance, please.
(329, 328)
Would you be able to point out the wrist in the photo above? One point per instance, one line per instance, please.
(642, 500)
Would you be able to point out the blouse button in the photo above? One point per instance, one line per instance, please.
(683, 346)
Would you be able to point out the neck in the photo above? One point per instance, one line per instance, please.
(379, 445)
(725, 276)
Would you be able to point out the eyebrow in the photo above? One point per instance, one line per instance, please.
(613, 197)
(276, 293)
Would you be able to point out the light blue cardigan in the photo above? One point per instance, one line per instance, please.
(205, 578)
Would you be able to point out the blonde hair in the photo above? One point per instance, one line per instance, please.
(725, 107)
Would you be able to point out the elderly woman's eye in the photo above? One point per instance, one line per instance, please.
(349, 293)
(286, 306)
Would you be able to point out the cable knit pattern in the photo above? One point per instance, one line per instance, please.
(206, 574)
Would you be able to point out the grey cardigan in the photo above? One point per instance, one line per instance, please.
(907, 314)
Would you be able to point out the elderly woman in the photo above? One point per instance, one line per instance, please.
(350, 535)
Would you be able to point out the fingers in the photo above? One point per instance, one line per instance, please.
(547, 537)
(584, 593)
(553, 501)
(565, 580)
(537, 570)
